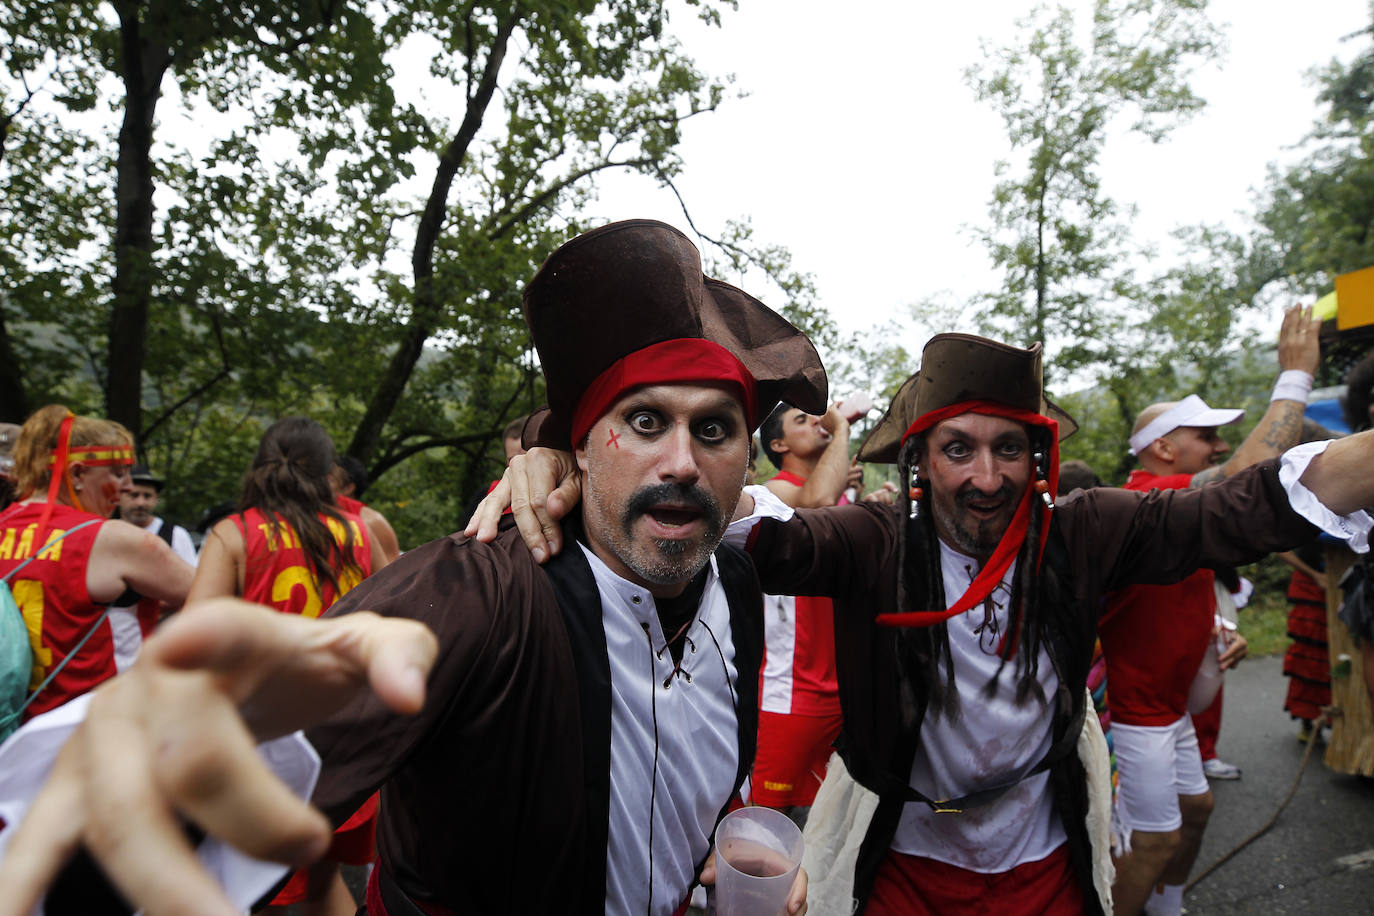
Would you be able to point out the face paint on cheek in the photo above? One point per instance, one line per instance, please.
(614, 440)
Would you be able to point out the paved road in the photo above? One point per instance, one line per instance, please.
(1319, 857)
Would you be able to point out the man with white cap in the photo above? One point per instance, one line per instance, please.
(1163, 799)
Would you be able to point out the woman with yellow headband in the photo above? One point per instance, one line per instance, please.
(69, 472)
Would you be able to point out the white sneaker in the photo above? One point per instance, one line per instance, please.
(1216, 768)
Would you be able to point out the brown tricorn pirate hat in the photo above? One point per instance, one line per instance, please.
(629, 285)
(956, 368)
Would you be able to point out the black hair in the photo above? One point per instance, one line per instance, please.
(920, 587)
(356, 471)
(1355, 403)
(1077, 475)
(289, 483)
(772, 429)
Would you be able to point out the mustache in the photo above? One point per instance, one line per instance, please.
(677, 494)
(969, 494)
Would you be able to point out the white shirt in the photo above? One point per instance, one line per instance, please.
(181, 540)
(124, 626)
(674, 741)
(992, 741)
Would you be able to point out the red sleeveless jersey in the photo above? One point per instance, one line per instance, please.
(51, 594)
(277, 573)
(350, 505)
(1155, 636)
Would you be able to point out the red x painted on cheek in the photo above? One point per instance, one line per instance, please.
(614, 440)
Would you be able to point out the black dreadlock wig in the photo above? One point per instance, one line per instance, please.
(920, 587)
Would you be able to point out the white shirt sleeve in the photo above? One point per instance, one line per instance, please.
(767, 504)
(27, 757)
(1353, 528)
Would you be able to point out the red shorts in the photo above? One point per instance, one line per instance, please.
(915, 886)
(354, 843)
(791, 759)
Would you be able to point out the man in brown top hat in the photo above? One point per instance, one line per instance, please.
(964, 628)
(587, 722)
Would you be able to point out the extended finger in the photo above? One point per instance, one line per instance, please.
(484, 521)
(708, 871)
(130, 828)
(45, 840)
(528, 507)
(796, 901)
(206, 764)
(397, 655)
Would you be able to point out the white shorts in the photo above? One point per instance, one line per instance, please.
(1155, 765)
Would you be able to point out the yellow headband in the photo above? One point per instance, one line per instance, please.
(100, 456)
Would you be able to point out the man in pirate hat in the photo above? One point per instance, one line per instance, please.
(587, 722)
(964, 630)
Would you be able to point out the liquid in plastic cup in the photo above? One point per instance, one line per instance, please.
(758, 852)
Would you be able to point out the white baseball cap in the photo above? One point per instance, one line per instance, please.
(1191, 411)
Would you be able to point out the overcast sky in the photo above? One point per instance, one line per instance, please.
(862, 150)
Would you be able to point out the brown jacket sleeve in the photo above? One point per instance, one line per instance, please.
(1114, 537)
(831, 551)
(1117, 538)
(488, 606)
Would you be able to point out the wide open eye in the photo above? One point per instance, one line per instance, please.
(645, 421)
(713, 431)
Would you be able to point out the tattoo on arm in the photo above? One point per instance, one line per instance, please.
(1202, 478)
(1286, 429)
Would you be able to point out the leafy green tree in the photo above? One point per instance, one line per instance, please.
(1059, 240)
(328, 246)
(1316, 218)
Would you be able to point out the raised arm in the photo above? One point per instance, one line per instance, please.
(831, 474)
(1281, 426)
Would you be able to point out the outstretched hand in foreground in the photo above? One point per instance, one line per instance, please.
(175, 735)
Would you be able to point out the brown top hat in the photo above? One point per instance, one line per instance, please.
(629, 285)
(961, 367)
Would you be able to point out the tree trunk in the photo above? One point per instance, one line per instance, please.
(142, 67)
(14, 398)
(426, 308)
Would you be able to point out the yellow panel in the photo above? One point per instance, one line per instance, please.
(1355, 293)
(1325, 307)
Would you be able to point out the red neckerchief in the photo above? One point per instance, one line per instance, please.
(995, 569)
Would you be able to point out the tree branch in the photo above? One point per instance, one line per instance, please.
(553, 190)
(393, 458)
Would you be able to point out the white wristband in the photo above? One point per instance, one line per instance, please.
(1293, 385)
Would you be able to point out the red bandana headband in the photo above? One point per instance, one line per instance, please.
(685, 359)
(995, 569)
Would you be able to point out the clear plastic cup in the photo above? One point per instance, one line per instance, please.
(758, 852)
(1209, 678)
